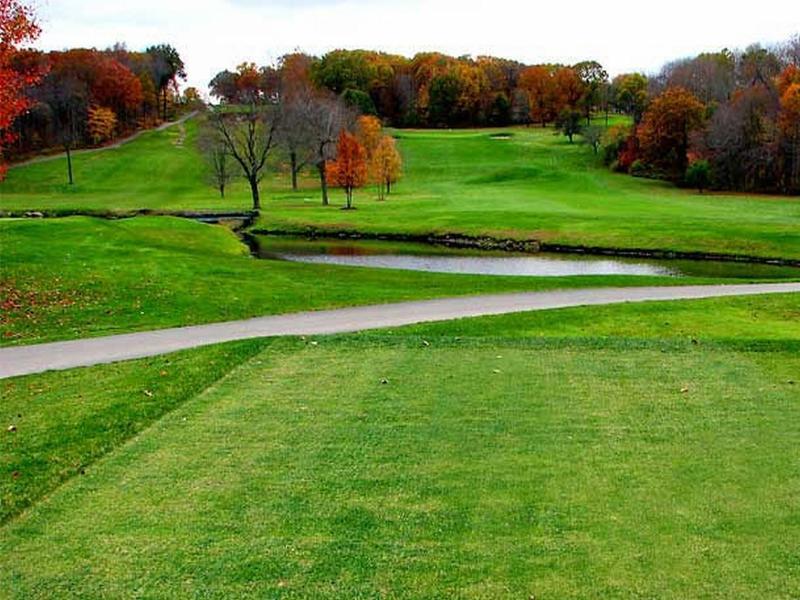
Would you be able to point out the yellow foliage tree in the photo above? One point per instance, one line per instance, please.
(101, 124)
(369, 131)
(385, 165)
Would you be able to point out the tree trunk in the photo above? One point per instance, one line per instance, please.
(221, 190)
(165, 104)
(254, 191)
(388, 186)
(69, 164)
(293, 158)
(323, 180)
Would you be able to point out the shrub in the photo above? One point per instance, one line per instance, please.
(698, 175)
(638, 169)
(613, 142)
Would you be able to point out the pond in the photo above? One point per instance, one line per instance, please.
(440, 259)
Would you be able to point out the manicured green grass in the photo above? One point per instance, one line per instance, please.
(533, 185)
(151, 172)
(64, 421)
(81, 276)
(536, 185)
(558, 458)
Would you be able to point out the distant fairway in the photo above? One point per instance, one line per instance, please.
(531, 185)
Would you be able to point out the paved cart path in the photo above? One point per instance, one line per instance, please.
(36, 358)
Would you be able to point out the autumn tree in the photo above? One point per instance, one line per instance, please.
(248, 135)
(17, 27)
(742, 140)
(349, 170)
(385, 165)
(369, 133)
(297, 105)
(101, 124)
(223, 86)
(539, 85)
(114, 86)
(789, 123)
(666, 127)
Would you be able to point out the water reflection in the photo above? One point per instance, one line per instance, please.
(419, 257)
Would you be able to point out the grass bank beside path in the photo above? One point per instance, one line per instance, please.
(79, 276)
(551, 455)
(530, 184)
(62, 422)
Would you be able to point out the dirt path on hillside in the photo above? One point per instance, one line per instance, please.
(119, 143)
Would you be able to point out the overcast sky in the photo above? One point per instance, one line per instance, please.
(624, 35)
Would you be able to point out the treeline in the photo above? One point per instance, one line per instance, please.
(431, 89)
(86, 97)
(732, 116)
(725, 120)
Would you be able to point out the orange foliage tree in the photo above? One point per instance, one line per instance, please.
(789, 123)
(17, 27)
(349, 170)
(385, 165)
(666, 127)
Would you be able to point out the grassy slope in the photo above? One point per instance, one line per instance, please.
(66, 420)
(511, 457)
(537, 185)
(534, 185)
(80, 276)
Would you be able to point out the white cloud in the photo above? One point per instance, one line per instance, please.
(215, 34)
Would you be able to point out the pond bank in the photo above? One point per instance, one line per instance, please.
(530, 246)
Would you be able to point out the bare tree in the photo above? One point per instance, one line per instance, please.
(248, 134)
(67, 99)
(592, 136)
(327, 117)
(221, 165)
(295, 132)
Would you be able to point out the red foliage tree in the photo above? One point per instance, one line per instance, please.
(17, 27)
(116, 87)
(349, 170)
(666, 127)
